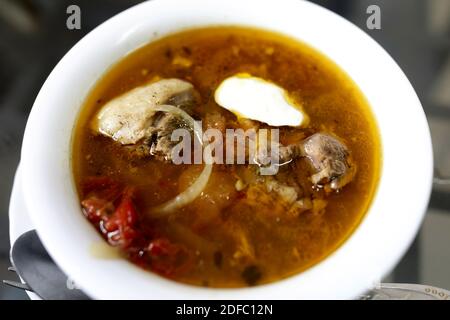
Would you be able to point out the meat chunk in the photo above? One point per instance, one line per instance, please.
(329, 158)
(285, 193)
(132, 117)
(285, 200)
(159, 143)
(267, 191)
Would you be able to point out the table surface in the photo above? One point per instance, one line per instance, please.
(33, 37)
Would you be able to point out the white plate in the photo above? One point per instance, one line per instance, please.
(19, 222)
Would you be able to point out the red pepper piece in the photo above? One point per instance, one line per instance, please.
(96, 209)
(168, 258)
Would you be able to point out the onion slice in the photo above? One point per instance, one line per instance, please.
(195, 189)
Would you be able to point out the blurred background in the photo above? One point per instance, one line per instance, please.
(34, 37)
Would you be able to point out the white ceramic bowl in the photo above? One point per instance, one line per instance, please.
(373, 249)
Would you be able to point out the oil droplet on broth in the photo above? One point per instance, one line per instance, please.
(102, 250)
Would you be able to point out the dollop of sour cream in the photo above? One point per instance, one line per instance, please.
(257, 99)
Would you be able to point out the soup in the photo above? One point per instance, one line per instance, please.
(225, 224)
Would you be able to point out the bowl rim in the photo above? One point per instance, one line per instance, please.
(370, 252)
